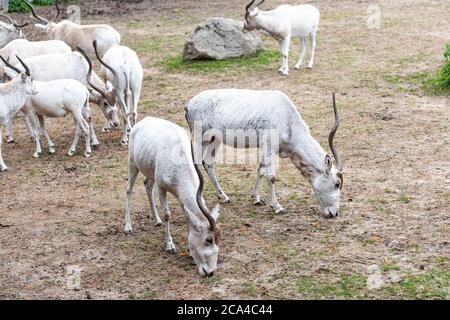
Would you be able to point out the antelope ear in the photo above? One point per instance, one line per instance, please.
(216, 212)
(254, 12)
(328, 164)
(40, 26)
(193, 220)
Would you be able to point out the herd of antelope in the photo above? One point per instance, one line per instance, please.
(55, 77)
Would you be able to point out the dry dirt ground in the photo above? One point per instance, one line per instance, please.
(58, 212)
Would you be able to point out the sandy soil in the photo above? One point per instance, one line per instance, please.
(58, 212)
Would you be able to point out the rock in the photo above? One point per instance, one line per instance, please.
(220, 38)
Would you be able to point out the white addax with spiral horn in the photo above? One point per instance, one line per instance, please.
(77, 35)
(77, 66)
(122, 71)
(12, 97)
(26, 49)
(230, 115)
(162, 151)
(283, 23)
(56, 99)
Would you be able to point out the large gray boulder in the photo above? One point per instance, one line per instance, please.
(220, 38)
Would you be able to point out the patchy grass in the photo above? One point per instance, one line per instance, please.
(390, 267)
(250, 290)
(262, 59)
(345, 287)
(405, 198)
(431, 285)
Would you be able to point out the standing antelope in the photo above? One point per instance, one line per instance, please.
(284, 22)
(77, 66)
(55, 99)
(123, 70)
(12, 97)
(222, 116)
(25, 49)
(10, 31)
(162, 151)
(77, 35)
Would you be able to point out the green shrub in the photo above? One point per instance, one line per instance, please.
(19, 6)
(443, 79)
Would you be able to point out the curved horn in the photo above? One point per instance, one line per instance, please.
(29, 5)
(90, 73)
(94, 44)
(201, 205)
(10, 65)
(11, 21)
(249, 5)
(58, 12)
(27, 70)
(332, 134)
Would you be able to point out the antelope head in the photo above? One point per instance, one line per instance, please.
(46, 25)
(25, 76)
(109, 101)
(10, 30)
(204, 236)
(251, 11)
(327, 184)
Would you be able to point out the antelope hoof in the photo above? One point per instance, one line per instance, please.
(310, 66)
(51, 151)
(10, 141)
(225, 199)
(259, 203)
(124, 143)
(297, 67)
(4, 168)
(285, 73)
(170, 247)
(127, 230)
(87, 154)
(71, 152)
(280, 211)
(105, 129)
(36, 155)
(158, 223)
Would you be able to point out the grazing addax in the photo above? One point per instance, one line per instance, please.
(282, 24)
(270, 121)
(12, 97)
(77, 35)
(56, 99)
(162, 151)
(122, 71)
(10, 31)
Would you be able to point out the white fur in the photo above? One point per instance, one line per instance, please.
(26, 49)
(56, 99)
(266, 113)
(12, 97)
(128, 84)
(161, 151)
(9, 32)
(71, 65)
(285, 22)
